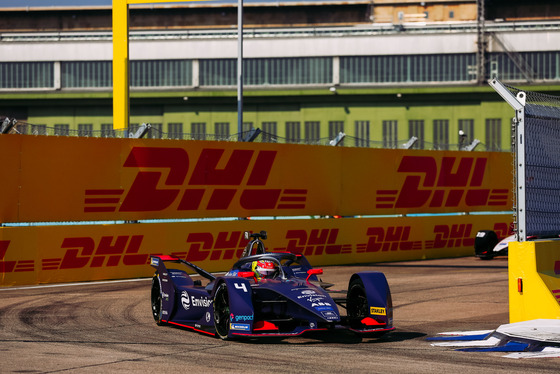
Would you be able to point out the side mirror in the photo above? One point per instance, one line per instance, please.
(311, 272)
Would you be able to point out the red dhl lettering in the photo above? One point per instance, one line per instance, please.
(455, 181)
(451, 236)
(13, 266)
(226, 246)
(213, 184)
(392, 238)
(503, 229)
(110, 251)
(314, 242)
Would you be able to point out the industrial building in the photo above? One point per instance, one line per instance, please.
(381, 71)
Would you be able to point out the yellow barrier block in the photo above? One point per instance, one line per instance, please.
(534, 280)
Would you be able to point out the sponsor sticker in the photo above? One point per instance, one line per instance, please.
(239, 317)
(377, 311)
(185, 300)
(154, 261)
(240, 326)
(201, 302)
(329, 315)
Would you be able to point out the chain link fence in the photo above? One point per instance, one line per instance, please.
(254, 135)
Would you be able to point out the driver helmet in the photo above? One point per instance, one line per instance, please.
(264, 268)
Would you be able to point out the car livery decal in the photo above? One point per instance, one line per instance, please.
(329, 315)
(185, 300)
(377, 311)
(237, 318)
(240, 326)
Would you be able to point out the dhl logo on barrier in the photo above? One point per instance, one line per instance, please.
(137, 179)
(395, 238)
(13, 266)
(125, 250)
(454, 181)
(144, 195)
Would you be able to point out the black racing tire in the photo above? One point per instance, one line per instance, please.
(357, 305)
(486, 258)
(156, 300)
(221, 312)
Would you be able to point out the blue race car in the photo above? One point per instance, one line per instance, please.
(267, 294)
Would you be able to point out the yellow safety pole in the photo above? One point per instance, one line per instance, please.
(121, 96)
(120, 65)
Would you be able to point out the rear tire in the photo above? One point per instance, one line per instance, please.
(221, 312)
(156, 300)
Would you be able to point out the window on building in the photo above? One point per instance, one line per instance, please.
(467, 127)
(61, 130)
(390, 135)
(293, 132)
(198, 131)
(107, 130)
(133, 128)
(39, 129)
(441, 134)
(21, 128)
(493, 134)
(161, 73)
(362, 133)
(336, 127)
(312, 132)
(26, 75)
(416, 128)
(247, 126)
(75, 74)
(155, 131)
(269, 132)
(407, 68)
(175, 130)
(85, 129)
(267, 71)
(221, 130)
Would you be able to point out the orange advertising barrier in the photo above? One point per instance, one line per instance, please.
(46, 178)
(50, 254)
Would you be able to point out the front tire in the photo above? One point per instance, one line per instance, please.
(156, 300)
(357, 305)
(221, 312)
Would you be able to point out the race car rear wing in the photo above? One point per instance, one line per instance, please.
(154, 262)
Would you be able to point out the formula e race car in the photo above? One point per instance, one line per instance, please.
(267, 294)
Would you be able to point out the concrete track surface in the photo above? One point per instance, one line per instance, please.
(108, 328)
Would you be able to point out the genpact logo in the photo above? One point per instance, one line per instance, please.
(204, 187)
(238, 318)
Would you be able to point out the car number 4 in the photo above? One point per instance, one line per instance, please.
(240, 286)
